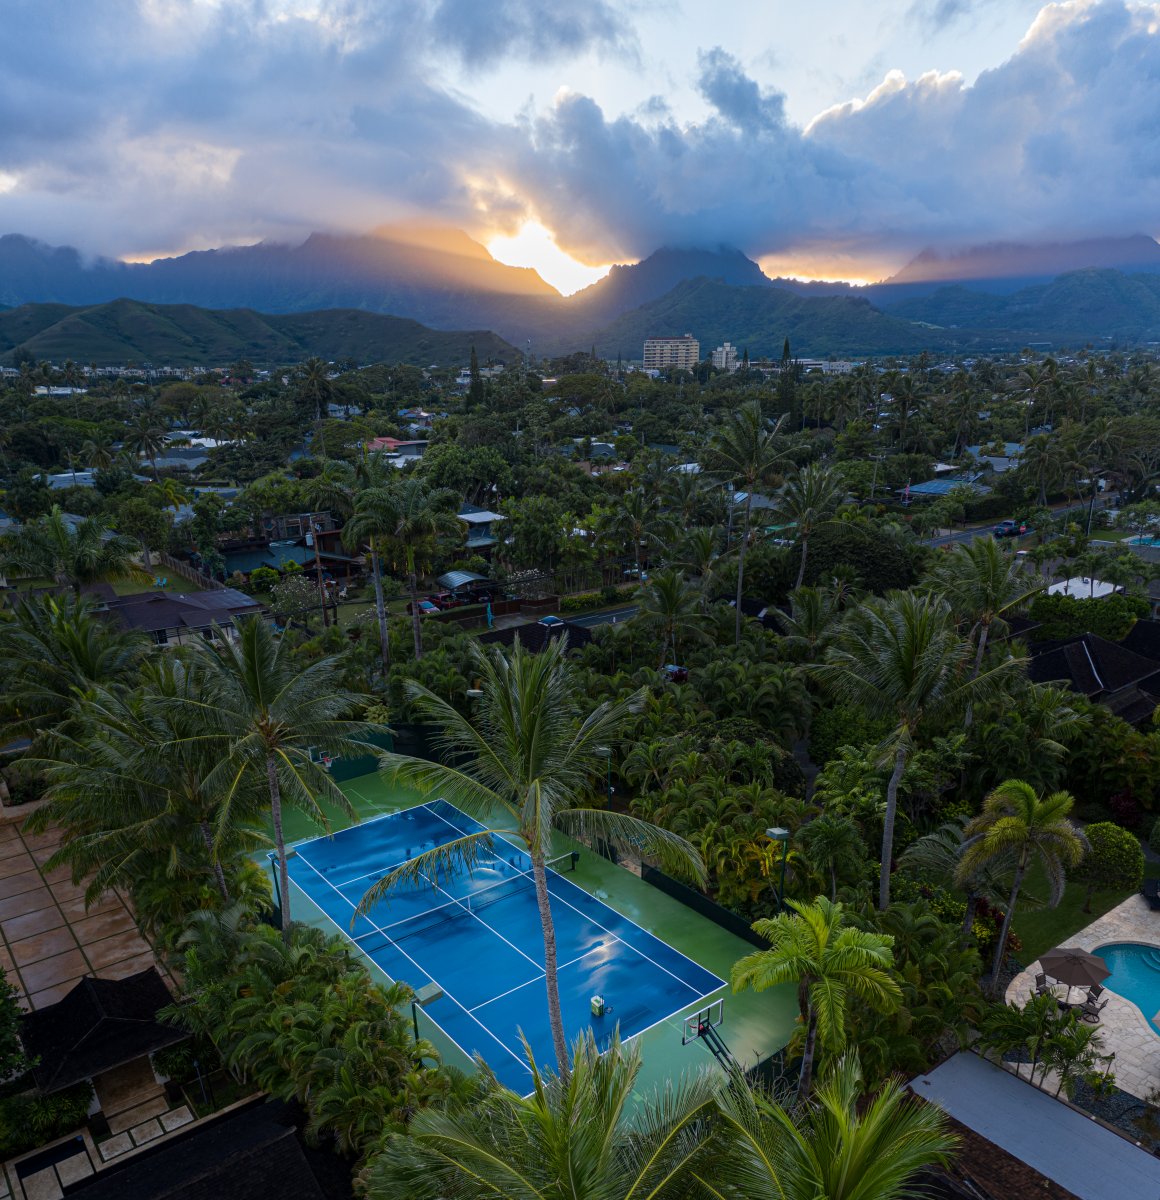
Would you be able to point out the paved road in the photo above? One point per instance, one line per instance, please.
(612, 617)
(962, 536)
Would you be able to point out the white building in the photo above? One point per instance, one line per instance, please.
(684, 353)
(725, 358)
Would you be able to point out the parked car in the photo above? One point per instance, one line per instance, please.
(675, 674)
(426, 608)
(443, 600)
(1010, 528)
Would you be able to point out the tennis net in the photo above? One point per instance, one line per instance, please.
(471, 904)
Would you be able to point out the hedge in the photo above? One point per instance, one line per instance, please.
(29, 1121)
(1106, 616)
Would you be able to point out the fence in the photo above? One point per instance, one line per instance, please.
(189, 572)
(700, 903)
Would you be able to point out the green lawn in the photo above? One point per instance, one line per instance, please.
(1042, 929)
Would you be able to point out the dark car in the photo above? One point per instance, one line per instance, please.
(1009, 528)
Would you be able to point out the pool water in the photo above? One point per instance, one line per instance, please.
(1135, 975)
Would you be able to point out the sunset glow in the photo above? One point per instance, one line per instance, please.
(534, 246)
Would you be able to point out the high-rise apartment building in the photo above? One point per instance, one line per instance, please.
(681, 352)
(725, 358)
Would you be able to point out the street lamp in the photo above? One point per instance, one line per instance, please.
(777, 834)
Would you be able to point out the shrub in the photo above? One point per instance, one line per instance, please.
(1106, 616)
(841, 725)
(1114, 860)
(29, 1121)
(262, 579)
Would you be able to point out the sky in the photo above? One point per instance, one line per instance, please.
(828, 139)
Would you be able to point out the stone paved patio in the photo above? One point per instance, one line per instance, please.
(1125, 1029)
(48, 939)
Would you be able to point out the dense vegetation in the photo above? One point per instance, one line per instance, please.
(848, 681)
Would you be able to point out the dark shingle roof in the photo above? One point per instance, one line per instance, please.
(99, 1025)
(1091, 665)
(535, 637)
(1144, 639)
(248, 1154)
(149, 611)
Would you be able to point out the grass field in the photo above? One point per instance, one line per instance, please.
(1043, 929)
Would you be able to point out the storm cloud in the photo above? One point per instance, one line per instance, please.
(153, 125)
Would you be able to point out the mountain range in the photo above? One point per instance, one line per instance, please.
(123, 331)
(988, 297)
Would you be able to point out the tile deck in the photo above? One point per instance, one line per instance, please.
(1125, 1029)
(49, 939)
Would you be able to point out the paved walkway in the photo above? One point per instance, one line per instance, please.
(1125, 1028)
(1079, 1154)
(48, 939)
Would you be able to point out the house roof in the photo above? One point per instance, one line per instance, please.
(99, 1025)
(458, 579)
(251, 1153)
(150, 611)
(942, 487)
(1091, 665)
(1144, 639)
(480, 516)
(535, 637)
(1064, 1145)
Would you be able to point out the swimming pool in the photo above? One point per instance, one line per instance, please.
(1135, 975)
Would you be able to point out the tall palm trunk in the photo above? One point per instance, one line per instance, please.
(969, 919)
(741, 563)
(809, 1052)
(218, 873)
(279, 843)
(984, 631)
(888, 828)
(551, 982)
(381, 610)
(1001, 945)
(319, 580)
(802, 567)
(416, 617)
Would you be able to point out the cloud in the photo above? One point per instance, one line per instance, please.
(1058, 141)
(483, 34)
(148, 125)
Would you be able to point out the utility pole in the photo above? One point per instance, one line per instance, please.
(315, 529)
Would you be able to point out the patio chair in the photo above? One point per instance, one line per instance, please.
(1042, 987)
(1095, 992)
(1150, 890)
(1091, 1011)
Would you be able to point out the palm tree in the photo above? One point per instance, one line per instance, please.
(810, 625)
(370, 524)
(1016, 823)
(935, 857)
(832, 964)
(271, 713)
(673, 605)
(55, 651)
(745, 452)
(1042, 462)
(811, 496)
(984, 585)
(146, 438)
(98, 453)
(173, 493)
(405, 520)
(71, 553)
(577, 1134)
(130, 787)
(527, 757)
(634, 521)
(314, 384)
(833, 846)
(901, 654)
(838, 1148)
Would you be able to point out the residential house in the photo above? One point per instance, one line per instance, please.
(174, 618)
(481, 533)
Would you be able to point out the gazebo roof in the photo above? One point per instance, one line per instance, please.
(99, 1025)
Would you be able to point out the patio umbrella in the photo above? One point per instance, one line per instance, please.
(1073, 966)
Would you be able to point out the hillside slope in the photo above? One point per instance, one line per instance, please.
(759, 319)
(185, 335)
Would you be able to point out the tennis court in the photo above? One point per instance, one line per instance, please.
(477, 936)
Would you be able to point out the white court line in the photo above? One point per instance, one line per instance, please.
(609, 932)
(418, 967)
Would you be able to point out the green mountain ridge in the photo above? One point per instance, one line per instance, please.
(759, 319)
(184, 335)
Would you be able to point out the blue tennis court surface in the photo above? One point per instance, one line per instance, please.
(478, 936)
